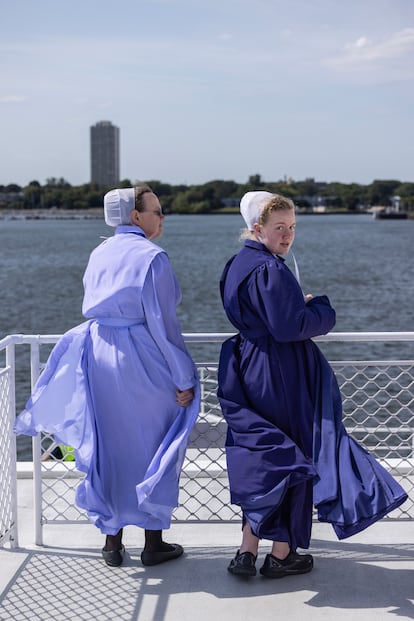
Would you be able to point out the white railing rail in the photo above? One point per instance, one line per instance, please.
(378, 402)
(8, 459)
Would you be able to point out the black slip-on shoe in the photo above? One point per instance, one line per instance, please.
(113, 558)
(292, 565)
(155, 558)
(243, 564)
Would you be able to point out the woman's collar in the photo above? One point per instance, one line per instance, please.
(130, 228)
(252, 243)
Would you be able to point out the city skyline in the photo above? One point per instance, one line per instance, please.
(204, 91)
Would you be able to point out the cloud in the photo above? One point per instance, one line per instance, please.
(392, 56)
(396, 46)
(11, 98)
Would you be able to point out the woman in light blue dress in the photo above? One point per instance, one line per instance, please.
(121, 388)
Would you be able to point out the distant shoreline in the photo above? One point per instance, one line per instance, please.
(96, 213)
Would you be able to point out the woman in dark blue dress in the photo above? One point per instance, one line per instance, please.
(286, 446)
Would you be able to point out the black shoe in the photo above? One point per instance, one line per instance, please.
(243, 564)
(292, 565)
(155, 558)
(113, 558)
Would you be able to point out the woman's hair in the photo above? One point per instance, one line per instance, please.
(140, 190)
(276, 203)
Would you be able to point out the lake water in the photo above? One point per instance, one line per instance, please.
(365, 266)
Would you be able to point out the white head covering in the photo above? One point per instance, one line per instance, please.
(118, 205)
(251, 206)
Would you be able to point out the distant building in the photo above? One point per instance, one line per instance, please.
(105, 154)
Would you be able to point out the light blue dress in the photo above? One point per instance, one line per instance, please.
(109, 387)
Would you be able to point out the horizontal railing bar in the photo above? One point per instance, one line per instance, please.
(331, 337)
(373, 430)
(217, 337)
(67, 470)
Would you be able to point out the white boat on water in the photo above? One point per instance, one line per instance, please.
(392, 212)
(388, 213)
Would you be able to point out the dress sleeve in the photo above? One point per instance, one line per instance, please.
(279, 300)
(160, 295)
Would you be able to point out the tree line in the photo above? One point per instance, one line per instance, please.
(216, 196)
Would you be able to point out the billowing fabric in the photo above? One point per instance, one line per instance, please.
(109, 387)
(286, 445)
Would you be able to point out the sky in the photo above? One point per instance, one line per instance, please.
(209, 89)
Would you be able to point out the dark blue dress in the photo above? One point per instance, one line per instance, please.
(286, 446)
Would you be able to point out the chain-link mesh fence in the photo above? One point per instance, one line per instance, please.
(378, 401)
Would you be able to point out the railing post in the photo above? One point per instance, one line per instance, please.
(202, 390)
(36, 449)
(11, 362)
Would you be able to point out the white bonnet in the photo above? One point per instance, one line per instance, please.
(118, 205)
(251, 206)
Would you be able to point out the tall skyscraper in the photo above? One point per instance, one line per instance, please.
(105, 154)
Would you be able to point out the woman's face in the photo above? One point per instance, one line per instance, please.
(278, 233)
(151, 219)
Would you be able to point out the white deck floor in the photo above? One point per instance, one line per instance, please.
(367, 577)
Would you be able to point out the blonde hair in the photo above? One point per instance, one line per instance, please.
(276, 203)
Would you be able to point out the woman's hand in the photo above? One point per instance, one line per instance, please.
(308, 297)
(184, 397)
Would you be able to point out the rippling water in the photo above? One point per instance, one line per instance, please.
(365, 266)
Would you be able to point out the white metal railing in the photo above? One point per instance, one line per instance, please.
(378, 403)
(8, 480)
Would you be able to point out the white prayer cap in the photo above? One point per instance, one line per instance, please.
(118, 205)
(251, 206)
